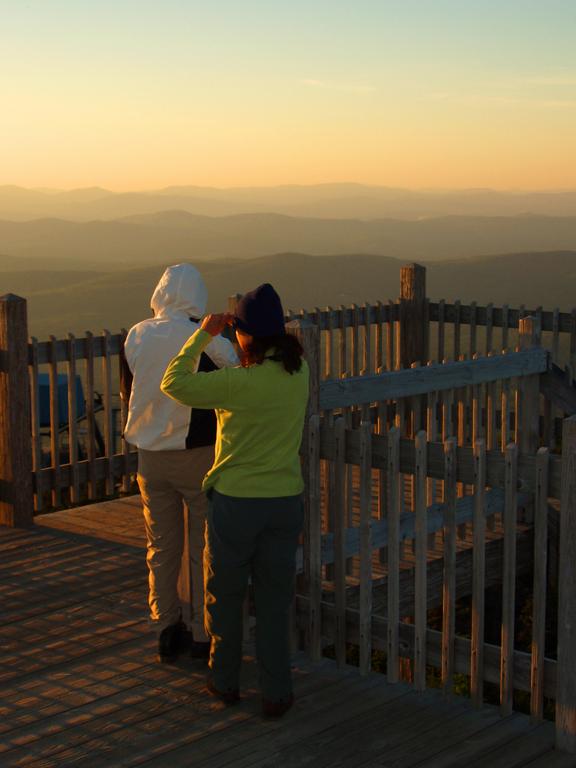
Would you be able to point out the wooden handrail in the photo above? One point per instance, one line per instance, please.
(434, 523)
(61, 353)
(392, 385)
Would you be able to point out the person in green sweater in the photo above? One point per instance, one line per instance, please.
(255, 511)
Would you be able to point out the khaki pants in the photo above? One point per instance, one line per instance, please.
(170, 483)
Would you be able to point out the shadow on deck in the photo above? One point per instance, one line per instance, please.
(79, 685)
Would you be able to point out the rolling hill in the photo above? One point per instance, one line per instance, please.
(171, 236)
(346, 200)
(62, 301)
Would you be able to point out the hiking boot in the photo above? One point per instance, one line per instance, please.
(228, 697)
(275, 709)
(171, 642)
(200, 649)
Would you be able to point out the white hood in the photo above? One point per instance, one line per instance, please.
(180, 294)
(156, 422)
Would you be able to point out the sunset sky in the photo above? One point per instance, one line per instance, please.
(132, 94)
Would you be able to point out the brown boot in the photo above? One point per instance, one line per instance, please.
(170, 642)
(274, 709)
(229, 697)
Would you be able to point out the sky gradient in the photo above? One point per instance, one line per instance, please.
(140, 94)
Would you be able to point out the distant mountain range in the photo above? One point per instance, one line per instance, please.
(89, 258)
(346, 201)
(78, 300)
(173, 236)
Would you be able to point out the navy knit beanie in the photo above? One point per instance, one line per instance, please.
(260, 313)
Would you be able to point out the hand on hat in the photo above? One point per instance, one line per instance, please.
(215, 324)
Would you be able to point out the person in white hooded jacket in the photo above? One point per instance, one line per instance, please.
(175, 450)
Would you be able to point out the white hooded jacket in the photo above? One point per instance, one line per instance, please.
(155, 421)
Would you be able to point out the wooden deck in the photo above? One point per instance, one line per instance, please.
(79, 685)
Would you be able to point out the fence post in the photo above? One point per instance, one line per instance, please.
(232, 307)
(528, 395)
(528, 400)
(233, 302)
(309, 336)
(16, 493)
(314, 536)
(566, 674)
(412, 326)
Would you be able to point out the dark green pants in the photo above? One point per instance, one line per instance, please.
(251, 537)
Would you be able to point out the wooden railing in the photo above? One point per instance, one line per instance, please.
(79, 455)
(85, 458)
(451, 541)
(410, 382)
(402, 520)
(367, 337)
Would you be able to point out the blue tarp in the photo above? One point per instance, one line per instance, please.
(44, 399)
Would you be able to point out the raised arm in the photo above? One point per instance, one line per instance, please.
(182, 383)
(222, 352)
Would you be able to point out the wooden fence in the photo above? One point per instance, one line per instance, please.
(402, 521)
(78, 452)
(475, 504)
(85, 458)
(367, 338)
(339, 606)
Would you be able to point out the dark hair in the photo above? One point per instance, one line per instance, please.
(286, 350)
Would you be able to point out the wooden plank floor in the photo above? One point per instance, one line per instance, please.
(119, 520)
(79, 684)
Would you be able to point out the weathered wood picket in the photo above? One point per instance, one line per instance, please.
(80, 452)
(461, 487)
(495, 478)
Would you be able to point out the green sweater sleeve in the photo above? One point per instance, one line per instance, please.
(184, 384)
